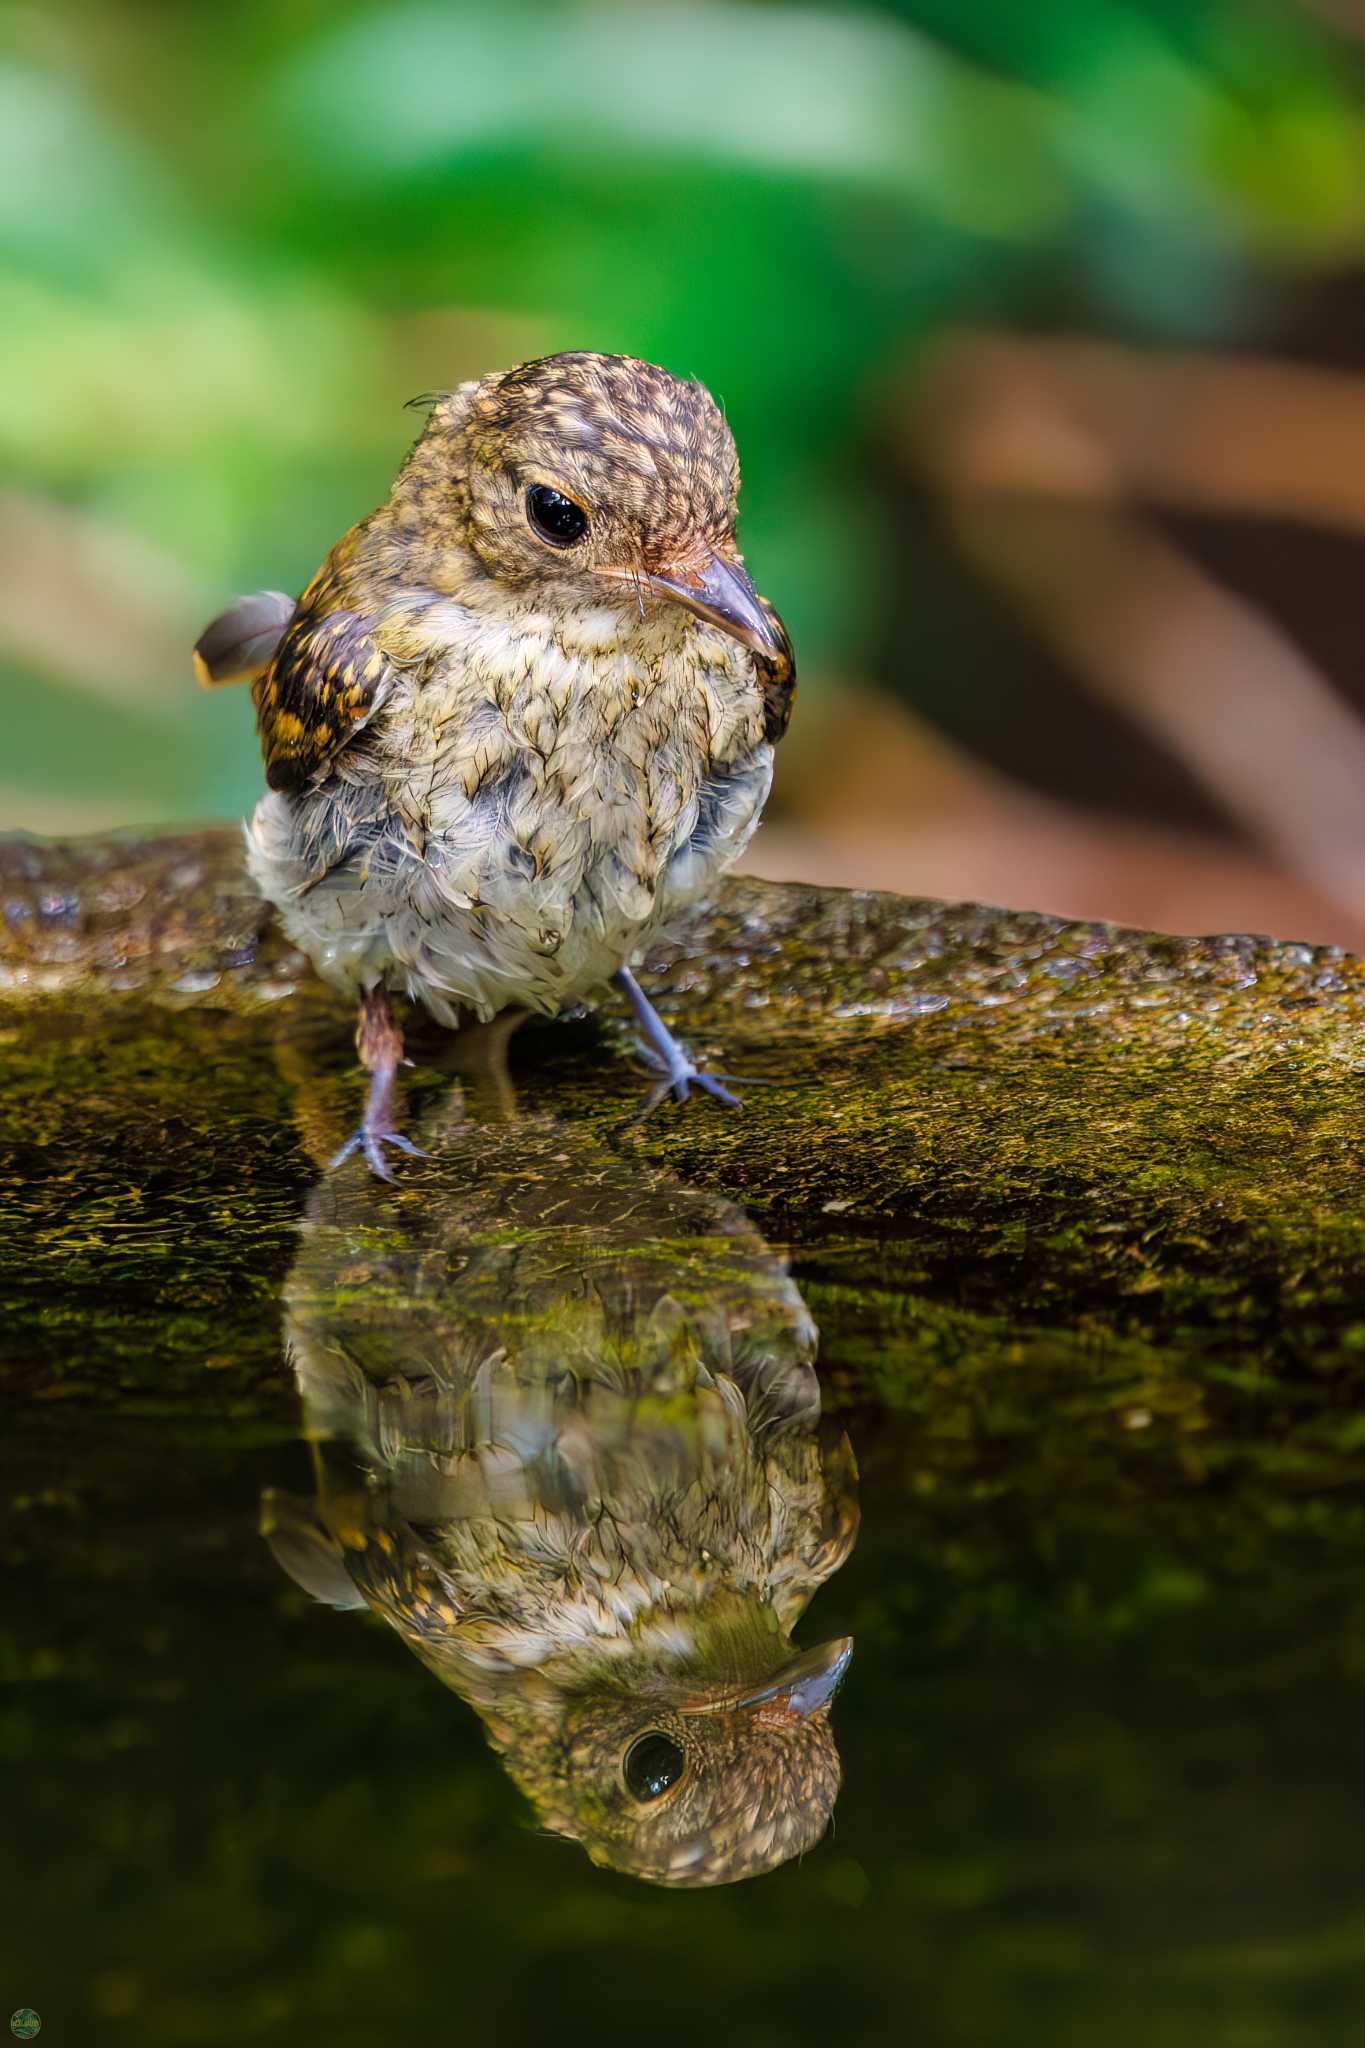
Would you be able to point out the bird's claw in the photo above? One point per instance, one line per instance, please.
(675, 1072)
(371, 1140)
(678, 1076)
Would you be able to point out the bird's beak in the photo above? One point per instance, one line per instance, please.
(800, 1688)
(722, 594)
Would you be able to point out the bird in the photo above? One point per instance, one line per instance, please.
(523, 715)
(567, 1440)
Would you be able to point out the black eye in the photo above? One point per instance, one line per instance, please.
(555, 517)
(652, 1765)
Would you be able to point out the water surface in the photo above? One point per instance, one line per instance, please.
(1093, 1768)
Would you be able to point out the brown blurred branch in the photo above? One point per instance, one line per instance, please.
(1346, 15)
(1083, 420)
(1045, 452)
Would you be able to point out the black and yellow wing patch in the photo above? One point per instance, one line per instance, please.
(327, 680)
(777, 680)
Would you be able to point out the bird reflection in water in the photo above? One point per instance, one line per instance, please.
(567, 1442)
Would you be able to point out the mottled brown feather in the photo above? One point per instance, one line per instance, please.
(777, 680)
(328, 677)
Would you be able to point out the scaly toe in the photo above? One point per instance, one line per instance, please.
(375, 1160)
(372, 1143)
(668, 1062)
(678, 1078)
(652, 1061)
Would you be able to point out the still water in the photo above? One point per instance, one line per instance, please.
(529, 1604)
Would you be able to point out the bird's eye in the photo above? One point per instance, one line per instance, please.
(555, 517)
(652, 1764)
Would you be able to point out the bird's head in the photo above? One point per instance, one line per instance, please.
(693, 1783)
(584, 480)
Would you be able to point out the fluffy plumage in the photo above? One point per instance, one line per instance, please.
(498, 763)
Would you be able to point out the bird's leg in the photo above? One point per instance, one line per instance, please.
(379, 1042)
(666, 1059)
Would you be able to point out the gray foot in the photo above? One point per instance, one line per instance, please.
(669, 1061)
(371, 1140)
(677, 1076)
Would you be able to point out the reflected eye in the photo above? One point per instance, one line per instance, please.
(555, 517)
(652, 1765)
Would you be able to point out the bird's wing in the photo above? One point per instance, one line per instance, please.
(777, 680)
(241, 640)
(303, 1548)
(327, 679)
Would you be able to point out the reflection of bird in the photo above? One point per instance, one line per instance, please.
(523, 713)
(567, 1443)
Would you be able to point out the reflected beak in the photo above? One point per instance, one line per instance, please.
(722, 594)
(800, 1688)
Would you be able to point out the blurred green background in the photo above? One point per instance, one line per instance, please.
(235, 238)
